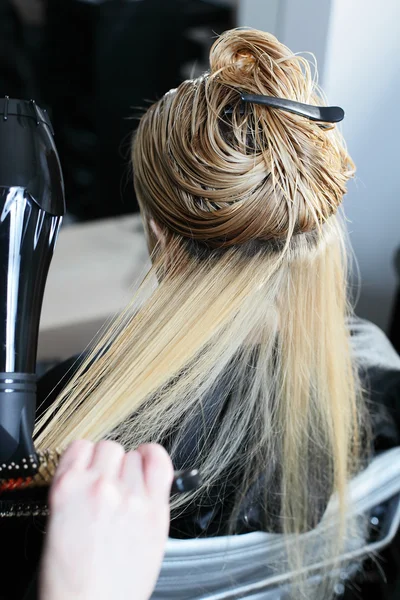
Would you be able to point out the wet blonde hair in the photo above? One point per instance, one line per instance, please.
(252, 291)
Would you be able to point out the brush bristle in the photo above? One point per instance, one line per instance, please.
(23, 493)
(46, 462)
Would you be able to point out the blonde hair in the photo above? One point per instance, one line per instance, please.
(251, 291)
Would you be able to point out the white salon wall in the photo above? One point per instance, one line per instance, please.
(262, 14)
(363, 72)
(357, 45)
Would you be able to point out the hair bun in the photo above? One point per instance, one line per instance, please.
(260, 173)
(236, 50)
(250, 59)
(245, 48)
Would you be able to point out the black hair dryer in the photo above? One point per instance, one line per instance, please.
(31, 208)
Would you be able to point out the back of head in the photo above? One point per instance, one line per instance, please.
(251, 267)
(253, 173)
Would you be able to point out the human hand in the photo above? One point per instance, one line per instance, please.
(109, 523)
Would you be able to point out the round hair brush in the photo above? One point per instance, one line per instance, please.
(26, 495)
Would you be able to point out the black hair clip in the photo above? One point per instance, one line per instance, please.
(325, 114)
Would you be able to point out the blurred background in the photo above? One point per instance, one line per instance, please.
(96, 64)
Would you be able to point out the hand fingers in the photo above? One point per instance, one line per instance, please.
(77, 456)
(157, 470)
(132, 472)
(148, 470)
(107, 458)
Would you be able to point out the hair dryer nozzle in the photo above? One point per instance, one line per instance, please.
(28, 156)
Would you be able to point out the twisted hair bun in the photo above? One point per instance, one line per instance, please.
(248, 57)
(253, 174)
